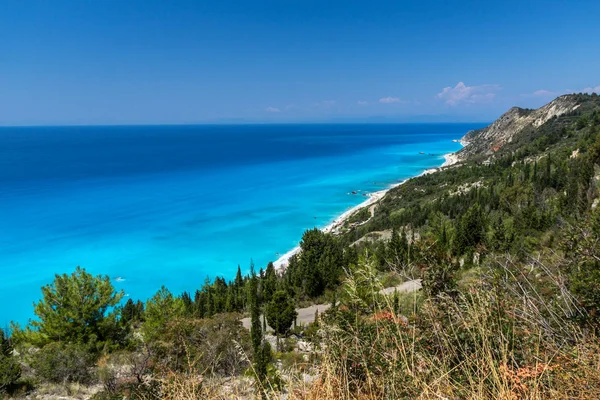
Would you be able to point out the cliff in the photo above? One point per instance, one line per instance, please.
(485, 142)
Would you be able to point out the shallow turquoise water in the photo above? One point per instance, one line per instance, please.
(171, 205)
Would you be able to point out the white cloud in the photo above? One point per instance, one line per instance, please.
(362, 103)
(272, 109)
(548, 93)
(462, 93)
(541, 93)
(389, 100)
(590, 90)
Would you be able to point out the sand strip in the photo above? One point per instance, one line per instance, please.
(373, 198)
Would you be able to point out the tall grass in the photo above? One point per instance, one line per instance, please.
(510, 334)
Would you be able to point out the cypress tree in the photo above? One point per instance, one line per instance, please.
(255, 329)
(281, 312)
(269, 283)
(238, 292)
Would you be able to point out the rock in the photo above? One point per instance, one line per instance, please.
(492, 138)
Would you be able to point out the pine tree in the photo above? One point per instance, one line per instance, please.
(499, 238)
(187, 302)
(470, 230)
(132, 312)
(230, 305)
(78, 308)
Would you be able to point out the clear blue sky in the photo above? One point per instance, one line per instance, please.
(148, 62)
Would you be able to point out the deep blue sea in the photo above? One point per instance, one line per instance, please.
(171, 205)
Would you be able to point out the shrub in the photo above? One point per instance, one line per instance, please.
(64, 362)
(208, 346)
(500, 337)
(10, 370)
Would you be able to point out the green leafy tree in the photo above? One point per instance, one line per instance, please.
(281, 313)
(78, 308)
(471, 230)
(132, 312)
(320, 262)
(398, 247)
(582, 249)
(500, 236)
(160, 309)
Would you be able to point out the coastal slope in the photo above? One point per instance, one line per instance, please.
(487, 141)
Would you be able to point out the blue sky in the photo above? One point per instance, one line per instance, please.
(150, 62)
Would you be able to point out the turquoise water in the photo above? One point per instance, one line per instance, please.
(171, 205)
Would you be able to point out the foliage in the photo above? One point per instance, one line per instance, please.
(215, 346)
(10, 370)
(507, 245)
(61, 362)
(499, 338)
(281, 312)
(360, 290)
(582, 248)
(160, 309)
(78, 308)
(319, 265)
(132, 312)
(471, 230)
(256, 332)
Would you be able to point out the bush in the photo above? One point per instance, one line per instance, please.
(61, 363)
(10, 370)
(497, 338)
(216, 345)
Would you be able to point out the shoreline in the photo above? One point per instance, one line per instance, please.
(373, 198)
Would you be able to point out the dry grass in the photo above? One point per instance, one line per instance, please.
(508, 334)
(500, 339)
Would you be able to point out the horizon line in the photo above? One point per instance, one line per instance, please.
(247, 123)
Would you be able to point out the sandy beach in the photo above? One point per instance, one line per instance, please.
(372, 199)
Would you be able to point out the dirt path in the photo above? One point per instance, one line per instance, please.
(306, 315)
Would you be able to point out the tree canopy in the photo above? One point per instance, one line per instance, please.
(281, 312)
(78, 308)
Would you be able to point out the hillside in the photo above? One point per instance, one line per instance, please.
(512, 143)
(487, 141)
(506, 245)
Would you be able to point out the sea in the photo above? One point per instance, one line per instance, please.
(173, 205)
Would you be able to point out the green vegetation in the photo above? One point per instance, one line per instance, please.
(281, 312)
(10, 371)
(507, 247)
(318, 267)
(76, 308)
